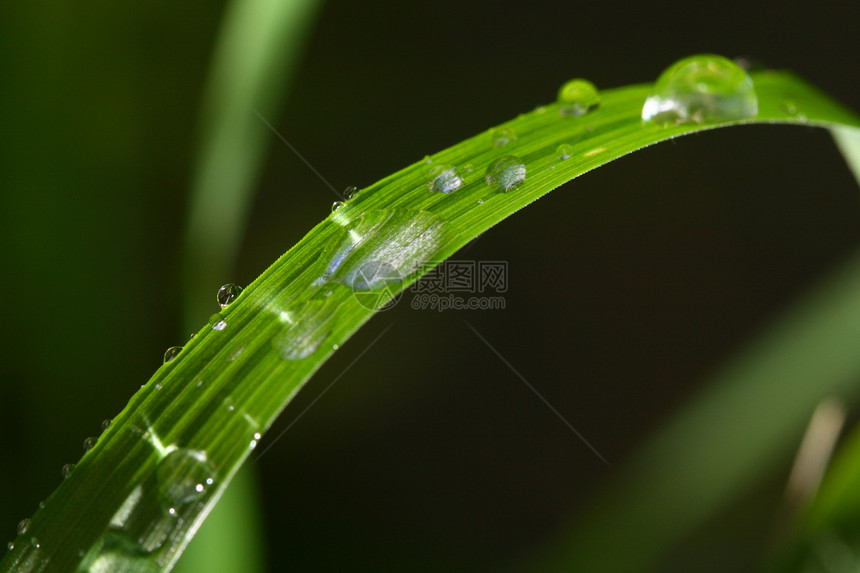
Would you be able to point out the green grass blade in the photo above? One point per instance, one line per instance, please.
(255, 55)
(134, 500)
(257, 51)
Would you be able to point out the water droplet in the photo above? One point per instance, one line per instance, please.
(335, 346)
(171, 353)
(257, 435)
(502, 136)
(228, 403)
(305, 328)
(337, 205)
(564, 151)
(444, 179)
(505, 173)
(220, 325)
(701, 89)
(382, 247)
(350, 192)
(89, 443)
(183, 478)
(427, 159)
(193, 334)
(788, 107)
(158, 385)
(468, 168)
(34, 541)
(106, 424)
(577, 97)
(42, 505)
(228, 293)
(67, 470)
(23, 526)
(10, 546)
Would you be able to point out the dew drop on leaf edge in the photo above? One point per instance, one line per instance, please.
(171, 353)
(23, 526)
(577, 97)
(701, 89)
(227, 294)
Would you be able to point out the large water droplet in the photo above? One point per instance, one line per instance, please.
(305, 328)
(701, 89)
(444, 179)
(577, 97)
(505, 173)
(337, 205)
(382, 247)
(23, 526)
(228, 293)
(171, 353)
(183, 478)
(220, 325)
(502, 136)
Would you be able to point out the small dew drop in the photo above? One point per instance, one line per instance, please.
(23, 526)
(89, 443)
(564, 151)
(350, 192)
(788, 108)
(257, 435)
(228, 293)
(701, 89)
(158, 385)
(41, 505)
(468, 168)
(577, 97)
(106, 424)
(444, 179)
(337, 205)
(171, 353)
(505, 173)
(334, 346)
(220, 325)
(67, 470)
(34, 541)
(10, 546)
(503, 136)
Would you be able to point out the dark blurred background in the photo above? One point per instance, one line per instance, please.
(628, 286)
